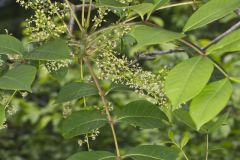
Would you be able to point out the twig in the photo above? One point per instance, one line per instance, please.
(201, 52)
(230, 30)
(193, 46)
(152, 55)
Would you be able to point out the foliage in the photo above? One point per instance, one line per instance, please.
(89, 64)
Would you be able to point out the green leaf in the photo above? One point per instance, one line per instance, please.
(2, 116)
(211, 11)
(171, 136)
(82, 122)
(157, 4)
(10, 45)
(184, 116)
(59, 74)
(187, 79)
(76, 90)
(213, 126)
(142, 8)
(18, 78)
(53, 50)
(230, 43)
(153, 152)
(93, 155)
(118, 88)
(143, 114)
(111, 3)
(4, 65)
(185, 139)
(146, 35)
(210, 101)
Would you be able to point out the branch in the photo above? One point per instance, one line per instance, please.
(230, 30)
(105, 103)
(152, 55)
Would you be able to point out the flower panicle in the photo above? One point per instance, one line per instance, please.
(145, 83)
(47, 21)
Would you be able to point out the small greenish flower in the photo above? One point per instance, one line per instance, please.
(143, 82)
(47, 21)
(56, 65)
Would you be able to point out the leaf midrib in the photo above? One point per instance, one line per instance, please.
(187, 80)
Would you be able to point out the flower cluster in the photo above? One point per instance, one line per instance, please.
(99, 18)
(112, 37)
(67, 111)
(47, 20)
(143, 82)
(92, 135)
(56, 65)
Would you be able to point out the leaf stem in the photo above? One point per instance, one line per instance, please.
(74, 15)
(184, 154)
(89, 13)
(10, 99)
(207, 147)
(83, 13)
(177, 4)
(88, 145)
(106, 106)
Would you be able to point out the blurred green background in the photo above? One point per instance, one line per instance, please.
(34, 122)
